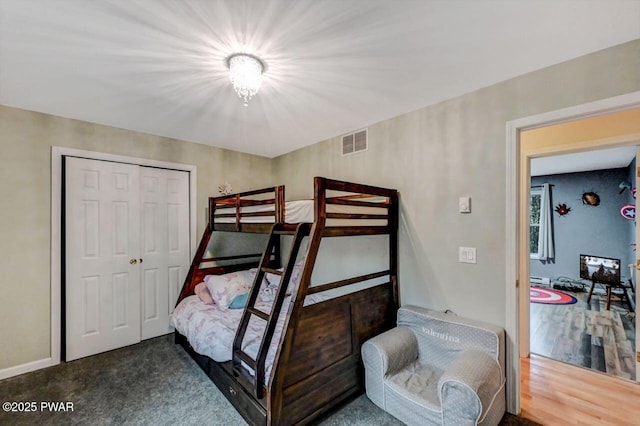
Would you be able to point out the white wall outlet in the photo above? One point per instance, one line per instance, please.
(467, 254)
(464, 205)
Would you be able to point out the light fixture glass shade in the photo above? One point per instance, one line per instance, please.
(246, 75)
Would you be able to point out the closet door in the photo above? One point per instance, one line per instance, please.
(102, 244)
(165, 257)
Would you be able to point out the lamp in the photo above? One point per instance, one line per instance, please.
(246, 75)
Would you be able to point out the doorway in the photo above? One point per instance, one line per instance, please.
(586, 210)
(516, 226)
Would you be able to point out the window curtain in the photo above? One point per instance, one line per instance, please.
(545, 239)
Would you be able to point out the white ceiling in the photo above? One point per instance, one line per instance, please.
(601, 159)
(334, 66)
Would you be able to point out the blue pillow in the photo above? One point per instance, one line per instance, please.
(239, 301)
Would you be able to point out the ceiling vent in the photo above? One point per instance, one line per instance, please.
(354, 142)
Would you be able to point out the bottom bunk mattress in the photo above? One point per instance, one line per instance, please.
(211, 330)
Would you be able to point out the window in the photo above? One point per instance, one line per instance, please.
(541, 223)
(534, 222)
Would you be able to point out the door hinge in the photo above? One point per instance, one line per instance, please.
(517, 283)
(638, 356)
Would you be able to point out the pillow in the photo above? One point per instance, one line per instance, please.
(239, 302)
(268, 293)
(202, 292)
(224, 288)
(272, 281)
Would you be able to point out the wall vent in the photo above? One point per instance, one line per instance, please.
(355, 142)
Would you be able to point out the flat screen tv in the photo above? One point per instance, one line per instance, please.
(600, 269)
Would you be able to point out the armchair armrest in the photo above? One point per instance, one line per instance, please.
(468, 387)
(390, 351)
(384, 354)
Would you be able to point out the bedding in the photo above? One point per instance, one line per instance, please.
(211, 330)
(223, 290)
(302, 211)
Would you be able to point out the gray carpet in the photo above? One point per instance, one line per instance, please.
(151, 383)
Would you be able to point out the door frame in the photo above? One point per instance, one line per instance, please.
(56, 223)
(516, 266)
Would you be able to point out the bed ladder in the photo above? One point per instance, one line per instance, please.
(298, 231)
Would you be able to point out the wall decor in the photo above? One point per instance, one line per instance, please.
(225, 189)
(562, 209)
(628, 211)
(590, 198)
(625, 184)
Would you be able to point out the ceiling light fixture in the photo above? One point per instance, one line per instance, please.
(246, 74)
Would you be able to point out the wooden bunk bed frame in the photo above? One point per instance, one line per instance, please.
(318, 363)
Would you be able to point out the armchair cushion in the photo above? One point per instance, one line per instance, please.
(418, 383)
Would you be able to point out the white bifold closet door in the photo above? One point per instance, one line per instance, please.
(165, 245)
(126, 252)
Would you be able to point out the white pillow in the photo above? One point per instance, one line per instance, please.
(224, 288)
(271, 282)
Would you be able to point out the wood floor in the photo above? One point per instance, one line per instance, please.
(586, 335)
(555, 393)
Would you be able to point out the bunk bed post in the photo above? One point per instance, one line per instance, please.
(189, 284)
(393, 245)
(279, 219)
(212, 212)
(279, 206)
(238, 212)
(320, 200)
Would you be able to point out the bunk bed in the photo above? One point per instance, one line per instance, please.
(307, 359)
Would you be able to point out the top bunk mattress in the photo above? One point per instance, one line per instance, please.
(302, 211)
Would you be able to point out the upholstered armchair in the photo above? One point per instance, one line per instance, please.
(437, 369)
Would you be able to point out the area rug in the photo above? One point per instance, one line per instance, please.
(550, 297)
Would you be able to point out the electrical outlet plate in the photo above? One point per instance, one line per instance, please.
(467, 254)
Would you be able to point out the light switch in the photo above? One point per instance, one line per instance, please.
(467, 254)
(464, 205)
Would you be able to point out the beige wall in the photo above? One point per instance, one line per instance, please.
(433, 156)
(25, 176)
(441, 152)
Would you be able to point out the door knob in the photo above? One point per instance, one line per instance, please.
(133, 261)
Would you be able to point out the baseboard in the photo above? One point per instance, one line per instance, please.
(5, 373)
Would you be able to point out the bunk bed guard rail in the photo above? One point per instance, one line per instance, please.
(234, 207)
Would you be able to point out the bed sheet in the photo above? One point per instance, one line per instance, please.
(211, 330)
